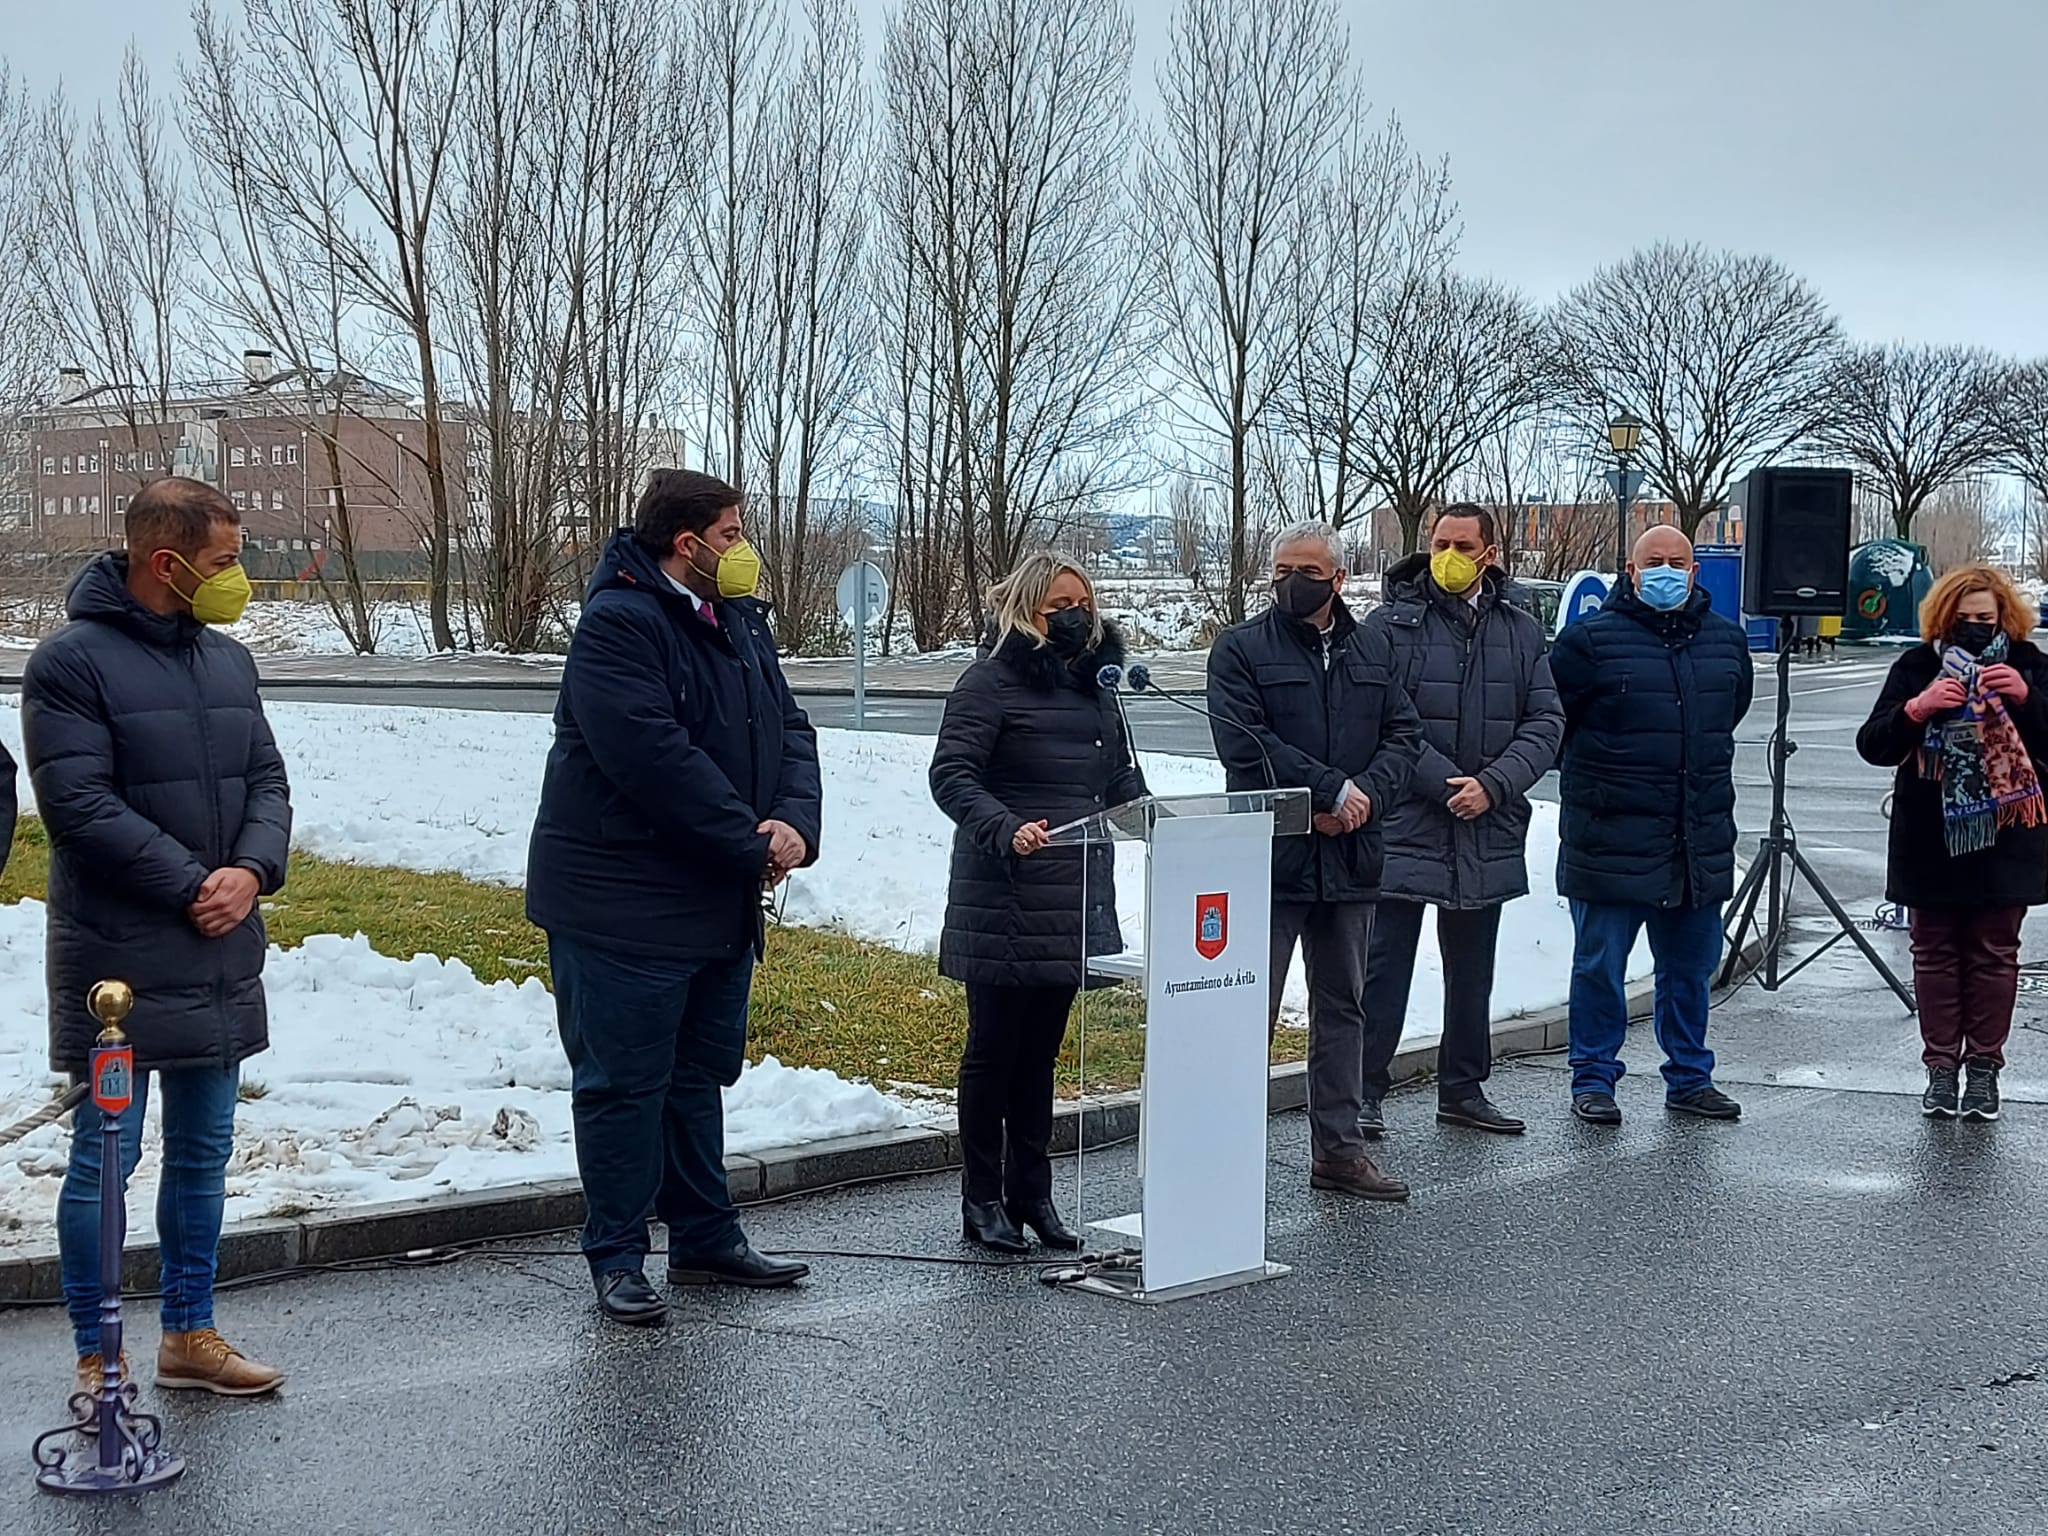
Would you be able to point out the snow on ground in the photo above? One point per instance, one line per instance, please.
(310, 629)
(390, 1077)
(455, 790)
(386, 1079)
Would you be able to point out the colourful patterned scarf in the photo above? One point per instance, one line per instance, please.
(1987, 780)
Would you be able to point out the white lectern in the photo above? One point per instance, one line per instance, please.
(1202, 1099)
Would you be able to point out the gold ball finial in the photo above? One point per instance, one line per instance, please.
(111, 1002)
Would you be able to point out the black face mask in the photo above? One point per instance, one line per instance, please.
(1068, 631)
(1972, 637)
(1303, 596)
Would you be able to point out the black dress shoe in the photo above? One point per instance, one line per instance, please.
(1041, 1218)
(624, 1296)
(1597, 1108)
(736, 1266)
(986, 1224)
(1372, 1119)
(1706, 1104)
(1479, 1114)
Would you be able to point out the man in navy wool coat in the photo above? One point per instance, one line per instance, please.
(683, 783)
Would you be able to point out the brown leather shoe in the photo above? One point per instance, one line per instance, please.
(203, 1361)
(1361, 1178)
(91, 1378)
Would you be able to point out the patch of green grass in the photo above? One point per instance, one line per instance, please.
(820, 1000)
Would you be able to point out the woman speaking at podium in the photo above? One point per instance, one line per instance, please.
(1032, 738)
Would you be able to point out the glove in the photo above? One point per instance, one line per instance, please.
(2004, 681)
(1944, 693)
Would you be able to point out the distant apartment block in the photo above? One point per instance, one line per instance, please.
(263, 438)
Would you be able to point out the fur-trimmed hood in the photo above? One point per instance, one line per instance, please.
(1040, 666)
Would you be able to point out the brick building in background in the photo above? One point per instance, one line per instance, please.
(262, 439)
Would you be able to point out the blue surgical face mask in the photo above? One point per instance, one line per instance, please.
(1663, 587)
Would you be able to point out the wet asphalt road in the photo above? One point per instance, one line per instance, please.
(1827, 1319)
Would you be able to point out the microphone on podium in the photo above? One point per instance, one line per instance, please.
(1140, 679)
(1109, 678)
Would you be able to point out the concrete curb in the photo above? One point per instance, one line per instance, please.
(278, 1245)
(285, 686)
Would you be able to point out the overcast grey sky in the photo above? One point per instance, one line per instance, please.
(1895, 152)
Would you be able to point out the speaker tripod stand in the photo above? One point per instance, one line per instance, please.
(1779, 863)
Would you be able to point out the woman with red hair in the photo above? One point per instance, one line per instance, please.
(1964, 719)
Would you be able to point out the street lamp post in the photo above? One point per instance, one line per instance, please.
(1624, 435)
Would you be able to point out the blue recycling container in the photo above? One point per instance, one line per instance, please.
(1720, 577)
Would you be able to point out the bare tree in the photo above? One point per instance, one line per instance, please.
(1913, 419)
(1577, 535)
(2022, 418)
(820, 323)
(635, 140)
(1372, 235)
(1255, 93)
(276, 278)
(569, 171)
(514, 181)
(1723, 356)
(2033, 534)
(26, 361)
(929, 583)
(110, 255)
(739, 47)
(1523, 465)
(1462, 361)
(379, 85)
(1009, 130)
(1965, 521)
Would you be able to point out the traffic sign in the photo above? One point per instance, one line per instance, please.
(1584, 594)
(862, 596)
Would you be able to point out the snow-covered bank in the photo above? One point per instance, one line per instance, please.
(370, 1051)
(385, 1079)
(435, 789)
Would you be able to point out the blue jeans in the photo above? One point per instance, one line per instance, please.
(651, 1043)
(199, 1136)
(1686, 942)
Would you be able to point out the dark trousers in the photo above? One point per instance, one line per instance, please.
(1466, 941)
(1005, 1102)
(652, 1044)
(1335, 937)
(1966, 976)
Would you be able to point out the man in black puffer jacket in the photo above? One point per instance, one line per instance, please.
(168, 816)
(1474, 665)
(1305, 698)
(1653, 686)
(682, 782)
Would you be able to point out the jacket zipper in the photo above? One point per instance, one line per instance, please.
(1459, 828)
(219, 851)
(1684, 765)
(1326, 655)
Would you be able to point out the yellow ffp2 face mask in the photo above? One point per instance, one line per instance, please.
(1453, 570)
(221, 598)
